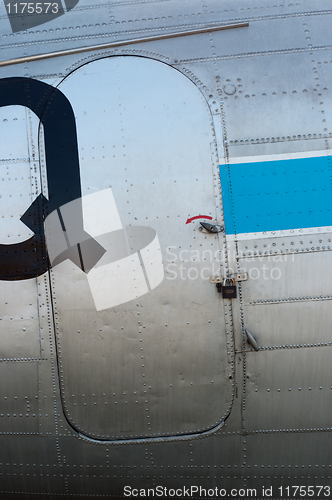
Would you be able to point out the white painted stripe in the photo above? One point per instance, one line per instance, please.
(280, 233)
(274, 157)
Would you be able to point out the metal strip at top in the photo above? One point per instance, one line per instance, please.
(120, 43)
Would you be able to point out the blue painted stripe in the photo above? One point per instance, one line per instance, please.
(277, 195)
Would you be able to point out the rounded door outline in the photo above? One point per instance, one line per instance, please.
(145, 439)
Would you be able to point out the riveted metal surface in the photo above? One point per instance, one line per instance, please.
(290, 456)
(321, 72)
(314, 29)
(45, 318)
(48, 404)
(276, 244)
(284, 52)
(17, 187)
(302, 314)
(120, 19)
(105, 401)
(30, 464)
(175, 465)
(164, 15)
(287, 276)
(19, 397)
(192, 463)
(321, 67)
(252, 40)
(247, 120)
(85, 24)
(19, 330)
(14, 125)
(103, 468)
(49, 401)
(294, 379)
(269, 146)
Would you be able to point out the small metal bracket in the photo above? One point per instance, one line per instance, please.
(251, 340)
(206, 227)
(236, 277)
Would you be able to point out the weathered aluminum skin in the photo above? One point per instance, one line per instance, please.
(211, 411)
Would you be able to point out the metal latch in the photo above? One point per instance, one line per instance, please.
(235, 277)
(211, 228)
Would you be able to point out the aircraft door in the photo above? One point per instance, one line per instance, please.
(142, 344)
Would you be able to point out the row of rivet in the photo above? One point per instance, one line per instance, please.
(254, 54)
(294, 346)
(227, 304)
(300, 429)
(274, 94)
(98, 55)
(289, 389)
(12, 161)
(291, 299)
(284, 252)
(22, 359)
(268, 140)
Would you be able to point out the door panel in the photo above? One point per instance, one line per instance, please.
(141, 337)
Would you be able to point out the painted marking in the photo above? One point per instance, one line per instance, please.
(275, 157)
(296, 232)
(28, 259)
(198, 217)
(277, 195)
